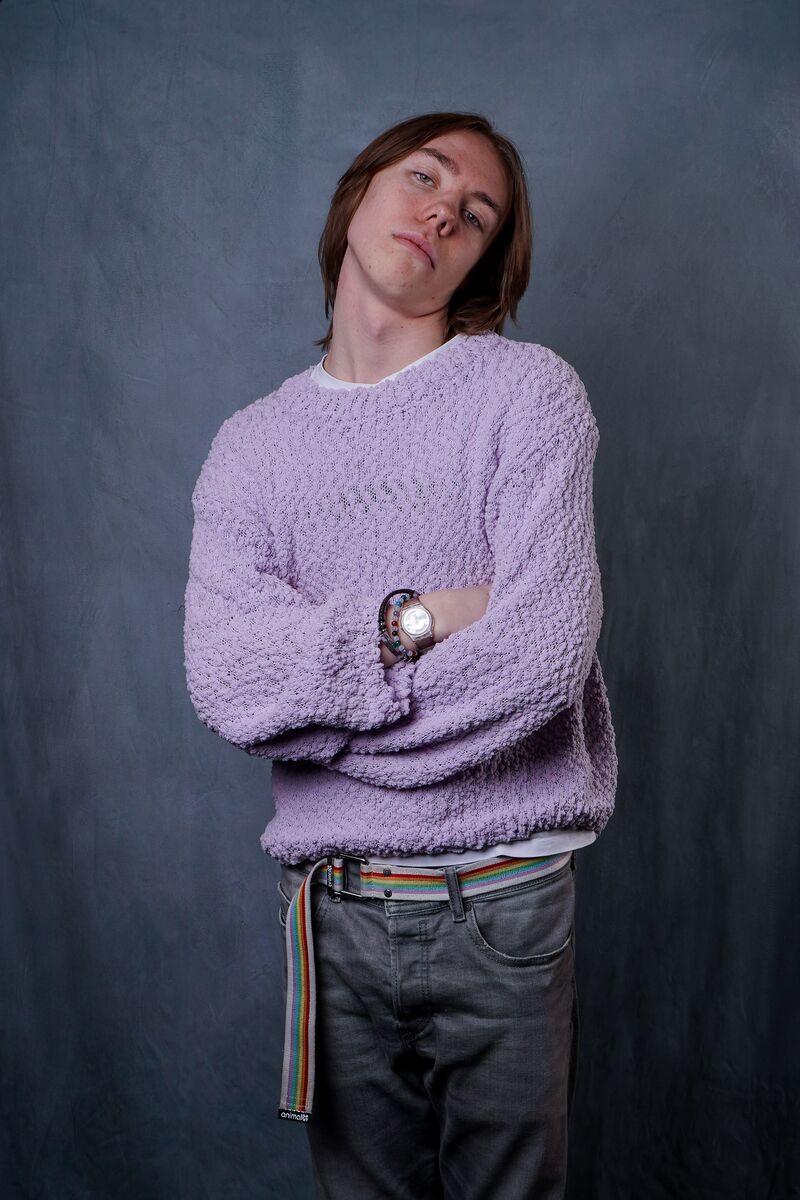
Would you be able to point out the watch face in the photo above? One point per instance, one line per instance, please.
(415, 620)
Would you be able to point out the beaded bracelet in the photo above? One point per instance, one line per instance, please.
(392, 640)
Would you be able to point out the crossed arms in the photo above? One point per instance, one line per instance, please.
(285, 678)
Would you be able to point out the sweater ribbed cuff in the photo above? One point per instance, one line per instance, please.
(368, 695)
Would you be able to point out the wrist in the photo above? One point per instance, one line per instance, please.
(399, 633)
(387, 656)
(429, 600)
(408, 626)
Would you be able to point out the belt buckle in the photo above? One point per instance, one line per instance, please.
(334, 895)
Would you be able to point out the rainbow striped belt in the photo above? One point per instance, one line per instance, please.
(397, 882)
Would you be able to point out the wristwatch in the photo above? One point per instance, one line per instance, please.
(417, 621)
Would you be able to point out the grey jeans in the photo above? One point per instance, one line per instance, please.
(446, 1049)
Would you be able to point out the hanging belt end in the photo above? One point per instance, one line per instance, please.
(293, 1114)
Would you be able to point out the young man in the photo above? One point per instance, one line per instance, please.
(394, 595)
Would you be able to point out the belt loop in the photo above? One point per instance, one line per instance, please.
(454, 892)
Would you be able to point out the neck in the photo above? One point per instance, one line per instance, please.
(369, 342)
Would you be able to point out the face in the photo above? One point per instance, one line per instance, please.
(453, 195)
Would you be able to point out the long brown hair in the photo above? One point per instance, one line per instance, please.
(497, 282)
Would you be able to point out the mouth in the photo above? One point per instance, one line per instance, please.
(418, 243)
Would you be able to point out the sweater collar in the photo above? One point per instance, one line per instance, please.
(320, 376)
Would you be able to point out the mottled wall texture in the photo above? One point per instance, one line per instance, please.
(166, 173)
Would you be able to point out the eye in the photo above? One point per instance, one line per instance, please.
(474, 222)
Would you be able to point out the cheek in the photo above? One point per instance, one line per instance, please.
(371, 214)
(461, 266)
(358, 233)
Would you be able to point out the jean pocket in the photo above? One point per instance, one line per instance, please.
(530, 925)
(287, 888)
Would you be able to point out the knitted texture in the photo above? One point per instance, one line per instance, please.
(473, 466)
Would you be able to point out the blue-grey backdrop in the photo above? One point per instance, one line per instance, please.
(167, 169)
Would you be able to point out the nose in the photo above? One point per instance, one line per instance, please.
(443, 215)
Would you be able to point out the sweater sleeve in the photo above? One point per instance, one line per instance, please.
(528, 657)
(267, 669)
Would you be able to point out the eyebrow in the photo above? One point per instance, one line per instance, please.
(452, 166)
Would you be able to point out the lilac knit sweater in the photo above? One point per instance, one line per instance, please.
(472, 466)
